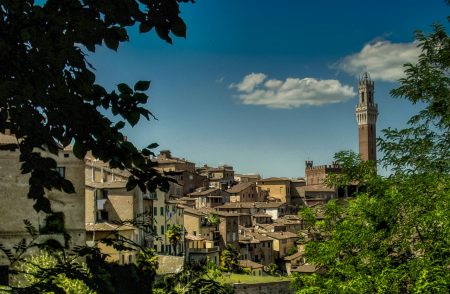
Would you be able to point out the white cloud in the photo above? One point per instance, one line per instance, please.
(382, 59)
(256, 89)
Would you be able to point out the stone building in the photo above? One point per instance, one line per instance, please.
(221, 177)
(245, 178)
(166, 212)
(209, 198)
(278, 188)
(15, 207)
(243, 192)
(166, 162)
(109, 210)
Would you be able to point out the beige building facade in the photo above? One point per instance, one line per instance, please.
(15, 207)
(277, 188)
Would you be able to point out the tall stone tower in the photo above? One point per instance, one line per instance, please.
(366, 116)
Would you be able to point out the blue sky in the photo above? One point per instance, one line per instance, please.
(265, 85)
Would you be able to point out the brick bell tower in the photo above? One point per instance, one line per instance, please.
(366, 116)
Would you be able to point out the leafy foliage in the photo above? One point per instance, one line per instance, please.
(38, 269)
(194, 278)
(49, 97)
(55, 269)
(229, 259)
(272, 269)
(394, 236)
(175, 234)
(213, 219)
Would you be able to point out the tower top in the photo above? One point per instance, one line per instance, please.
(364, 78)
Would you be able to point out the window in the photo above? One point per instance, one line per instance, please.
(162, 248)
(102, 215)
(130, 258)
(4, 275)
(155, 211)
(161, 210)
(162, 229)
(105, 194)
(61, 170)
(66, 155)
(194, 233)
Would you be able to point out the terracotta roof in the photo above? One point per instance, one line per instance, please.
(240, 187)
(107, 185)
(306, 268)
(269, 204)
(273, 179)
(7, 139)
(162, 161)
(227, 214)
(248, 240)
(250, 264)
(259, 236)
(194, 211)
(256, 176)
(203, 193)
(193, 238)
(298, 180)
(287, 221)
(231, 205)
(106, 226)
(318, 188)
(186, 199)
(291, 217)
(294, 256)
(282, 235)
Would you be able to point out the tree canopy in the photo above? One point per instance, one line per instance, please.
(49, 97)
(394, 237)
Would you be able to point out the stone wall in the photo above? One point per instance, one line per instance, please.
(15, 207)
(281, 287)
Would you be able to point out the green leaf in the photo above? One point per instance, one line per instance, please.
(67, 187)
(131, 184)
(133, 118)
(42, 204)
(79, 150)
(120, 125)
(111, 42)
(179, 28)
(142, 86)
(145, 27)
(124, 88)
(152, 146)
